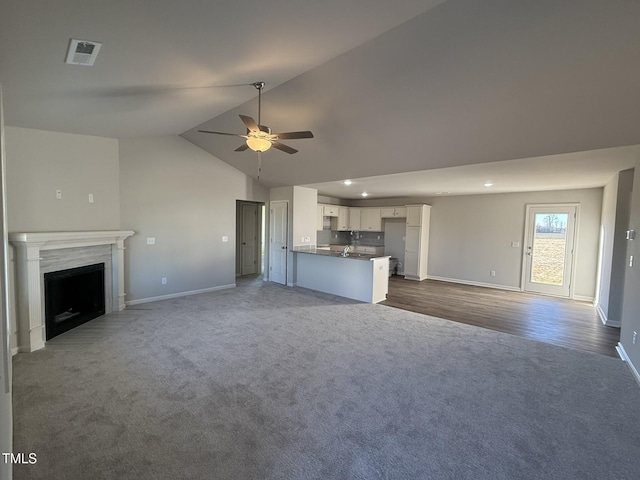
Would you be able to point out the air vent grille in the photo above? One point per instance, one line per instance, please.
(82, 52)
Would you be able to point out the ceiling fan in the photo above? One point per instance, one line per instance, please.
(259, 138)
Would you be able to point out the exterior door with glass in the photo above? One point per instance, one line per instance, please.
(549, 249)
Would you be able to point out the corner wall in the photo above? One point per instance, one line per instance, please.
(185, 199)
(40, 162)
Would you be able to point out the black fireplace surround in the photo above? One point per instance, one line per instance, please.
(73, 297)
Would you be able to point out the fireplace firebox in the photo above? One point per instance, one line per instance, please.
(73, 297)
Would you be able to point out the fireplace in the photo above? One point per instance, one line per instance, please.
(41, 253)
(73, 297)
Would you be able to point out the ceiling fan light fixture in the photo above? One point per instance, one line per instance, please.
(258, 144)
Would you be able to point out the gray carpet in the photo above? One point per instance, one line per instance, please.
(270, 382)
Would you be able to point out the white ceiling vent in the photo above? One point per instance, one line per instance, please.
(82, 52)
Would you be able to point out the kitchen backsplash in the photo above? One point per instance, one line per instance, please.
(334, 237)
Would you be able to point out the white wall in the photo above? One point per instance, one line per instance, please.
(616, 200)
(6, 408)
(631, 304)
(301, 220)
(608, 223)
(186, 199)
(41, 162)
(305, 204)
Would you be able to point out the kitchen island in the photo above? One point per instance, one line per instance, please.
(358, 276)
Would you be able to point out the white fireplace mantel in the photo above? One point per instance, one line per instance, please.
(29, 247)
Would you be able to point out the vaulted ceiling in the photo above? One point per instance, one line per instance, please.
(386, 87)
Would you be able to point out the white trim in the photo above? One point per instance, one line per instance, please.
(523, 275)
(580, 298)
(179, 294)
(606, 321)
(477, 284)
(625, 358)
(602, 315)
(29, 291)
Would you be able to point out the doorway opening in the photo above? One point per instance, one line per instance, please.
(549, 255)
(250, 238)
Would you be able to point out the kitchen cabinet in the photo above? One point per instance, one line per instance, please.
(369, 250)
(354, 219)
(417, 242)
(414, 215)
(393, 212)
(330, 210)
(370, 219)
(341, 222)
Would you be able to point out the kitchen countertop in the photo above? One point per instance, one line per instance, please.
(329, 253)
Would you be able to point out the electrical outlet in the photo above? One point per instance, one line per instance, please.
(631, 260)
(151, 240)
(225, 238)
(164, 280)
(492, 273)
(59, 194)
(91, 198)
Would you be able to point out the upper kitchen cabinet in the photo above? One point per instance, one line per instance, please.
(341, 222)
(355, 216)
(393, 212)
(330, 210)
(415, 214)
(370, 219)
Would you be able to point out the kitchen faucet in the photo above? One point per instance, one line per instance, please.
(345, 252)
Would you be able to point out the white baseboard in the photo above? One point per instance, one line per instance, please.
(625, 358)
(582, 298)
(14, 351)
(179, 294)
(477, 284)
(605, 320)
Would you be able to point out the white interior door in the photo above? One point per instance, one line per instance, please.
(278, 241)
(549, 249)
(249, 242)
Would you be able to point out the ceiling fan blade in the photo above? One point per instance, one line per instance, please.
(241, 148)
(293, 135)
(283, 147)
(250, 123)
(222, 133)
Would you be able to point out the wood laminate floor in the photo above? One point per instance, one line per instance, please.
(559, 321)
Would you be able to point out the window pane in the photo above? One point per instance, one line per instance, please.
(549, 244)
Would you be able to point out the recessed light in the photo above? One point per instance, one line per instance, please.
(364, 194)
(488, 184)
(347, 182)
